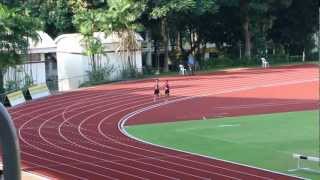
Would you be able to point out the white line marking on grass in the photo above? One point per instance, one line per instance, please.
(228, 125)
(208, 127)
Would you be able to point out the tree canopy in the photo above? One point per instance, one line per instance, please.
(253, 25)
(16, 27)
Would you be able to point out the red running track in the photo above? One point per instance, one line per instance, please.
(80, 135)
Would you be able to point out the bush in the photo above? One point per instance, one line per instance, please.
(12, 85)
(295, 59)
(99, 75)
(226, 61)
(148, 70)
(129, 72)
(314, 56)
(28, 81)
(278, 58)
(215, 62)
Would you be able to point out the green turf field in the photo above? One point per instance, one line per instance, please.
(265, 141)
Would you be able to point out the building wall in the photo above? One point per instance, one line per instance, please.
(18, 74)
(119, 63)
(71, 70)
(73, 67)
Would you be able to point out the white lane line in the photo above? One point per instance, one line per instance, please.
(93, 114)
(126, 118)
(149, 102)
(29, 144)
(96, 158)
(111, 114)
(80, 161)
(51, 143)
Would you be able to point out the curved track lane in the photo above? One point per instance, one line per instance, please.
(80, 135)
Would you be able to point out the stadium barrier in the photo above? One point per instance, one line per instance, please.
(38, 91)
(301, 158)
(15, 98)
(55, 86)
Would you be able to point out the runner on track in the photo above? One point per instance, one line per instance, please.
(156, 93)
(167, 88)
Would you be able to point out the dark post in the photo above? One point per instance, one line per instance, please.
(319, 76)
(10, 146)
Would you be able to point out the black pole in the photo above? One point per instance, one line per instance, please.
(319, 81)
(10, 146)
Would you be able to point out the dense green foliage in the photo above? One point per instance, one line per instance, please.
(119, 17)
(15, 27)
(240, 29)
(277, 26)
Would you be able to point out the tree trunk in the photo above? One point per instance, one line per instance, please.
(94, 66)
(178, 48)
(191, 42)
(149, 47)
(164, 34)
(1, 82)
(247, 37)
(181, 43)
(244, 8)
(203, 51)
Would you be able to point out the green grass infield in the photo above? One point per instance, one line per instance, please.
(264, 141)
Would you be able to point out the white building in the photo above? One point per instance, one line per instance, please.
(39, 65)
(72, 64)
(61, 63)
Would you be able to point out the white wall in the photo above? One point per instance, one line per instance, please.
(35, 70)
(71, 70)
(72, 65)
(114, 59)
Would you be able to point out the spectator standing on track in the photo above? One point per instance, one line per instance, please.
(156, 93)
(167, 88)
(191, 63)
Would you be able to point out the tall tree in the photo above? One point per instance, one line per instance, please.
(56, 15)
(88, 24)
(117, 16)
(253, 15)
(15, 30)
(294, 26)
(180, 15)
